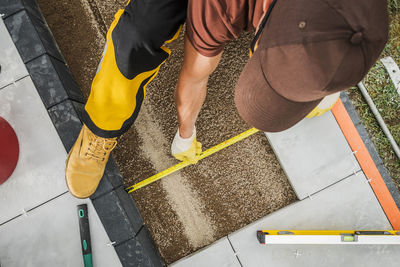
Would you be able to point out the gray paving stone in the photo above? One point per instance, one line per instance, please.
(139, 251)
(119, 215)
(11, 66)
(53, 80)
(49, 236)
(218, 254)
(39, 175)
(9, 7)
(347, 205)
(31, 36)
(65, 117)
(314, 154)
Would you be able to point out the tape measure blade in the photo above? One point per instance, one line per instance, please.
(183, 164)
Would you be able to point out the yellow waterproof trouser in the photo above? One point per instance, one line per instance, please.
(132, 57)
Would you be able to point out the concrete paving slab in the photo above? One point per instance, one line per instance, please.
(219, 254)
(39, 175)
(11, 66)
(314, 154)
(49, 236)
(347, 205)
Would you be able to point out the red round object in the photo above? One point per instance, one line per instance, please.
(9, 150)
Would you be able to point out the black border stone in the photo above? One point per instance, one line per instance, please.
(65, 117)
(10, 7)
(53, 80)
(31, 36)
(139, 251)
(119, 215)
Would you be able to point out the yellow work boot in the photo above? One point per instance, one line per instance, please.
(86, 162)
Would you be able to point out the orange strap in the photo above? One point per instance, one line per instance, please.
(367, 165)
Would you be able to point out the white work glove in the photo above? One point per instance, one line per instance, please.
(186, 148)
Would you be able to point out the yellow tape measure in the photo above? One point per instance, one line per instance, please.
(183, 164)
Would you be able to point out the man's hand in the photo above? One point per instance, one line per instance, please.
(186, 148)
(191, 88)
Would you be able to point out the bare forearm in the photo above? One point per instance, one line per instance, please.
(191, 89)
(189, 98)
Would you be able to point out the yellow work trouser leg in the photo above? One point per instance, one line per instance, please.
(119, 88)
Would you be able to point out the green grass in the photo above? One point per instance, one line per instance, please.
(394, 5)
(385, 97)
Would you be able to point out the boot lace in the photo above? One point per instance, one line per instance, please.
(99, 147)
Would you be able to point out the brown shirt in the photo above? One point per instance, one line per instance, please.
(211, 23)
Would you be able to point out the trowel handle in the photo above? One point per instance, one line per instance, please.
(85, 235)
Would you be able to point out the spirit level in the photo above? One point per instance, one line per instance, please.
(364, 237)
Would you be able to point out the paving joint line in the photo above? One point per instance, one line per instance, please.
(140, 229)
(234, 251)
(34, 58)
(25, 212)
(310, 196)
(56, 104)
(13, 83)
(106, 192)
(1, 224)
(47, 201)
(120, 243)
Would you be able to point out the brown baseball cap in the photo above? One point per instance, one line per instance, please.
(309, 49)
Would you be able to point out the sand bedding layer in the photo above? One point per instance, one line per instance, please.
(202, 203)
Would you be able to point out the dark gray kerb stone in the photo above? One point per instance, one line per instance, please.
(119, 215)
(350, 108)
(65, 117)
(139, 251)
(53, 80)
(112, 179)
(9, 7)
(31, 36)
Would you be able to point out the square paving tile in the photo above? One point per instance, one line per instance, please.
(219, 254)
(314, 154)
(49, 236)
(39, 175)
(11, 66)
(347, 205)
